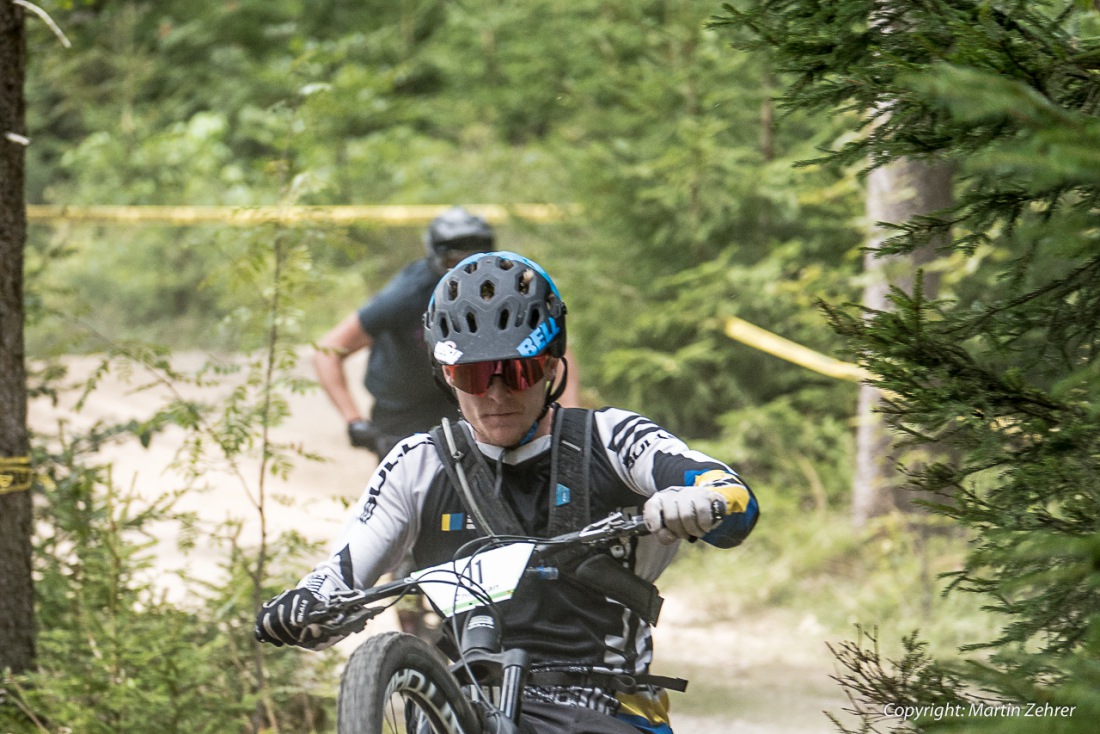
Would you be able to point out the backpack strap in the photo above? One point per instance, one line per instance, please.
(570, 510)
(570, 461)
(470, 474)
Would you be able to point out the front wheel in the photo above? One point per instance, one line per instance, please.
(396, 683)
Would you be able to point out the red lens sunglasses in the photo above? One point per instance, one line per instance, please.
(518, 374)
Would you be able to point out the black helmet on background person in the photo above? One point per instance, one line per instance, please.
(456, 230)
(495, 305)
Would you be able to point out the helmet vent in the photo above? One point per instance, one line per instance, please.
(503, 324)
(452, 289)
(488, 290)
(534, 317)
(505, 264)
(471, 322)
(523, 282)
(444, 327)
(471, 267)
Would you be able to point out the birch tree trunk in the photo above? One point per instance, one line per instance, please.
(895, 193)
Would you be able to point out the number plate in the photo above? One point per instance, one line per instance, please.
(492, 574)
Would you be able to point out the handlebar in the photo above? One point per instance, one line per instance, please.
(349, 611)
(615, 526)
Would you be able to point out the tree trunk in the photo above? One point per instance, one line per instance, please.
(895, 193)
(16, 588)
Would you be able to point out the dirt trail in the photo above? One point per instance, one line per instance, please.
(762, 675)
(307, 501)
(759, 675)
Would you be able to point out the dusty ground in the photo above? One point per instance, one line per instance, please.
(762, 675)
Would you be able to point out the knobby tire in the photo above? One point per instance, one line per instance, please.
(398, 664)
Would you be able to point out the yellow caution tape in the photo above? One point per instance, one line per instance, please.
(15, 474)
(773, 344)
(391, 215)
(397, 215)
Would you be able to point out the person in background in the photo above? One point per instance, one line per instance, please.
(406, 397)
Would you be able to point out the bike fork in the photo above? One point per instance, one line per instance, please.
(503, 672)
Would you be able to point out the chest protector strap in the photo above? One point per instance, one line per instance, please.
(469, 472)
(570, 459)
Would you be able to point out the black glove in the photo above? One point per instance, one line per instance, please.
(363, 435)
(282, 621)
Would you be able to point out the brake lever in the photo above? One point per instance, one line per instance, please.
(345, 598)
(343, 605)
(343, 622)
(615, 524)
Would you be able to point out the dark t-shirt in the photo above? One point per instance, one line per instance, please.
(407, 398)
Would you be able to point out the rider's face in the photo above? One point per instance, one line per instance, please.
(448, 259)
(502, 416)
(454, 257)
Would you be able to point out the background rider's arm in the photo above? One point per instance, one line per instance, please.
(345, 339)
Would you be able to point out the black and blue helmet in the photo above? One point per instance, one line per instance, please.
(494, 305)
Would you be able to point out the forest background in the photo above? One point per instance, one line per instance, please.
(685, 207)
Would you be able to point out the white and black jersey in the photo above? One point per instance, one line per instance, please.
(410, 505)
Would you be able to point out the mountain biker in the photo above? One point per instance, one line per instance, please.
(496, 327)
(406, 396)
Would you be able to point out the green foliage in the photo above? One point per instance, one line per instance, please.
(692, 216)
(912, 682)
(146, 662)
(122, 647)
(1017, 690)
(1002, 373)
(116, 652)
(691, 211)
